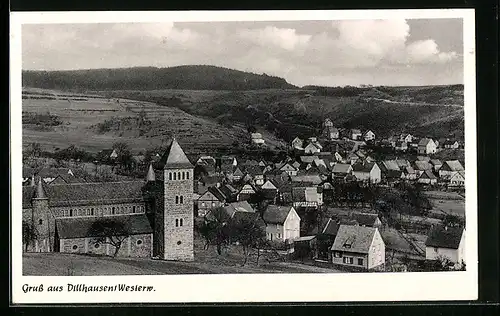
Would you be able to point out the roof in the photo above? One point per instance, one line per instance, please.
(354, 238)
(424, 141)
(241, 206)
(175, 157)
(422, 165)
(452, 165)
(427, 174)
(219, 195)
(276, 214)
(66, 178)
(151, 174)
(308, 159)
(249, 216)
(256, 135)
(391, 165)
(45, 172)
(363, 167)
(442, 237)
(331, 227)
(341, 168)
(77, 227)
(40, 191)
(88, 193)
(365, 219)
(355, 131)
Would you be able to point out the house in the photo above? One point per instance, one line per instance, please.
(369, 136)
(269, 189)
(282, 223)
(257, 138)
(355, 134)
(289, 169)
(311, 175)
(456, 179)
(313, 147)
(65, 179)
(367, 219)
(367, 172)
(427, 177)
(422, 166)
(407, 138)
(229, 192)
(246, 192)
(331, 133)
(308, 159)
(206, 160)
(237, 174)
(297, 143)
(238, 207)
(256, 173)
(48, 174)
(450, 167)
(340, 171)
(451, 144)
(212, 198)
(446, 242)
(358, 246)
(436, 164)
(426, 146)
(113, 155)
(401, 146)
(408, 173)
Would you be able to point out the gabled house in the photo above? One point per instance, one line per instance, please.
(355, 134)
(426, 146)
(257, 138)
(358, 246)
(408, 173)
(422, 166)
(401, 146)
(311, 175)
(229, 192)
(246, 192)
(238, 207)
(255, 171)
(367, 172)
(436, 164)
(450, 167)
(289, 169)
(369, 136)
(237, 174)
(446, 242)
(282, 223)
(451, 144)
(313, 148)
(340, 171)
(297, 143)
(427, 177)
(454, 180)
(407, 138)
(212, 198)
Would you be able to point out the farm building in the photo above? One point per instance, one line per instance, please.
(282, 223)
(446, 242)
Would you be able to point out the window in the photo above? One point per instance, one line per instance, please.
(179, 242)
(176, 199)
(181, 222)
(182, 199)
(203, 204)
(176, 222)
(75, 247)
(97, 245)
(40, 221)
(138, 242)
(113, 210)
(170, 176)
(175, 178)
(279, 235)
(187, 175)
(360, 261)
(71, 212)
(183, 175)
(133, 209)
(213, 204)
(337, 254)
(348, 260)
(179, 175)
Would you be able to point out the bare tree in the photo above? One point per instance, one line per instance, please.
(109, 231)
(216, 229)
(248, 234)
(29, 234)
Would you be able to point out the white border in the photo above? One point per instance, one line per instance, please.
(252, 287)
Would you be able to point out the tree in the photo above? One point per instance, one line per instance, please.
(109, 231)
(248, 234)
(216, 228)
(452, 220)
(124, 157)
(29, 234)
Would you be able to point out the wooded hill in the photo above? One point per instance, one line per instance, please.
(192, 77)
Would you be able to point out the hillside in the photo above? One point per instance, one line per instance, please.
(433, 111)
(192, 77)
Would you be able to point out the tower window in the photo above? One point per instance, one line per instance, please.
(179, 175)
(175, 176)
(113, 210)
(138, 242)
(182, 199)
(170, 176)
(133, 209)
(71, 212)
(181, 222)
(176, 222)
(187, 175)
(176, 199)
(40, 221)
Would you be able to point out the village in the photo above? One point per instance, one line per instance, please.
(343, 200)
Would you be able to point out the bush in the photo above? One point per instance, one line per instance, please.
(46, 119)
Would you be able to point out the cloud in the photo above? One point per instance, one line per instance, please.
(286, 38)
(427, 51)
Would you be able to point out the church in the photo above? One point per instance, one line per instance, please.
(153, 218)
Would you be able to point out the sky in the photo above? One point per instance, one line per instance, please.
(328, 53)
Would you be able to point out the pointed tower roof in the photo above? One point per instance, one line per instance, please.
(40, 191)
(175, 157)
(151, 174)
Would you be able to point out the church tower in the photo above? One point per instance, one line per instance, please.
(41, 219)
(176, 239)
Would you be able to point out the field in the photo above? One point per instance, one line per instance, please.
(80, 116)
(206, 262)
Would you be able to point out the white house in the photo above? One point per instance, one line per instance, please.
(282, 223)
(446, 242)
(450, 167)
(426, 146)
(358, 246)
(369, 135)
(257, 138)
(427, 177)
(367, 171)
(355, 134)
(289, 169)
(297, 143)
(407, 138)
(313, 147)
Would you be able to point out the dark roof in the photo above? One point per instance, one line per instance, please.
(219, 195)
(452, 165)
(442, 237)
(238, 216)
(331, 227)
(77, 227)
(174, 157)
(363, 167)
(354, 238)
(45, 172)
(423, 165)
(88, 193)
(365, 219)
(241, 206)
(275, 214)
(428, 174)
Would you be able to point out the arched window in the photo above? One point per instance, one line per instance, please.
(176, 222)
(175, 176)
(181, 222)
(40, 221)
(133, 209)
(113, 210)
(170, 176)
(179, 175)
(187, 175)
(182, 201)
(92, 211)
(176, 199)
(71, 212)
